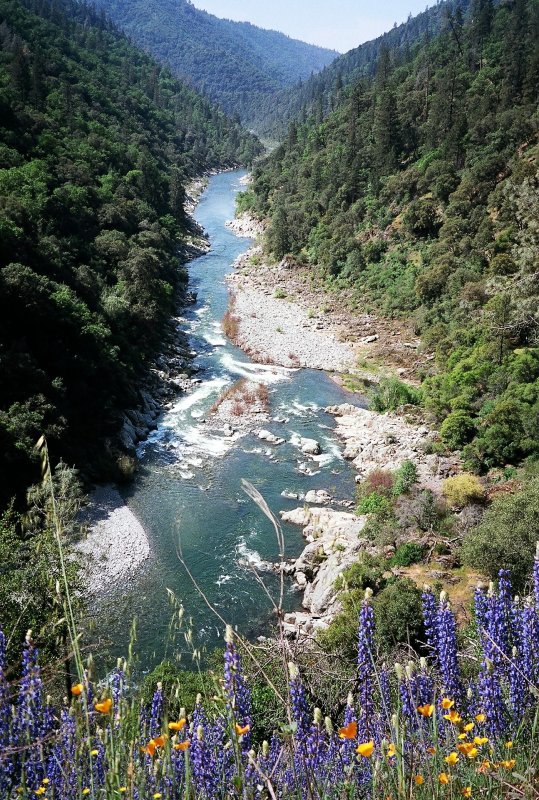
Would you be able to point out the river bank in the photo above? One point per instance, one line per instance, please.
(116, 544)
(279, 317)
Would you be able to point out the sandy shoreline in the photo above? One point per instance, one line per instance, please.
(275, 329)
(116, 545)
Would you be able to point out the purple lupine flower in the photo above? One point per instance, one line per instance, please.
(497, 621)
(447, 650)
(365, 666)
(117, 684)
(491, 699)
(156, 713)
(536, 576)
(385, 698)
(480, 608)
(425, 684)
(29, 713)
(236, 691)
(408, 694)
(299, 704)
(430, 620)
(205, 772)
(518, 689)
(6, 760)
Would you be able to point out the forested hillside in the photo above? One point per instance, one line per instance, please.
(235, 63)
(324, 90)
(421, 192)
(96, 144)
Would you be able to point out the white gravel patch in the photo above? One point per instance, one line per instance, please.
(116, 545)
(281, 332)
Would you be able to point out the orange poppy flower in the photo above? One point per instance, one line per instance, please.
(480, 717)
(419, 780)
(177, 726)
(149, 749)
(77, 689)
(104, 707)
(159, 741)
(349, 731)
(366, 749)
(480, 740)
(509, 764)
(241, 729)
(469, 727)
(453, 717)
(431, 750)
(443, 777)
(426, 710)
(182, 745)
(391, 750)
(467, 791)
(484, 766)
(447, 703)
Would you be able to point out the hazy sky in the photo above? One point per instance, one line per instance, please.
(339, 24)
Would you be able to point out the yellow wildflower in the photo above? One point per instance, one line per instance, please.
(366, 749)
(451, 759)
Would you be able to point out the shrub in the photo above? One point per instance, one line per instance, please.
(379, 480)
(457, 429)
(391, 393)
(365, 574)
(407, 554)
(463, 489)
(398, 615)
(506, 536)
(279, 294)
(374, 503)
(423, 510)
(405, 477)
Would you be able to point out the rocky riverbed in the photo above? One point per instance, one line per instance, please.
(274, 329)
(282, 319)
(116, 544)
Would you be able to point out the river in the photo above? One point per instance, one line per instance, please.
(188, 492)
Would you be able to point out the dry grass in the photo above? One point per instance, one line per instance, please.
(244, 396)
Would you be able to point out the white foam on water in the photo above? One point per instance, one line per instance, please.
(215, 340)
(260, 373)
(202, 442)
(202, 311)
(297, 409)
(203, 391)
(223, 579)
(248, 557)
(187, 476)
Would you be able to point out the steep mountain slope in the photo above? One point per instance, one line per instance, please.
(236, 64)
(421, 193)
(96, 143)
(323, 91)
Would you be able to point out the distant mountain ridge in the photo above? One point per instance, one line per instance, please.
(236, 64)
(321, 92)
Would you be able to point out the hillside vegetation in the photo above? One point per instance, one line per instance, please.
(235, 64)
(96, 144)
(420, 191)
(319, 95)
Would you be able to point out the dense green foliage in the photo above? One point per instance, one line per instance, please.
(325, 90)
(420, 191)
(236, 64)
(506, 535)
(96, 143)
(30, 563)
